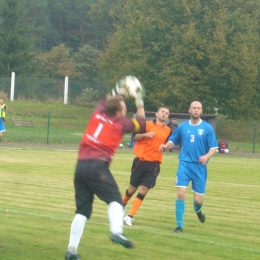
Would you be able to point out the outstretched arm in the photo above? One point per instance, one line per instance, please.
(168, 145)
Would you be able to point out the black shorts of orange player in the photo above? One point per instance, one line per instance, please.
(94, 177)
(144, 173)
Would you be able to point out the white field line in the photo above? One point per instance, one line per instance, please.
(145, 229)
(213, 182)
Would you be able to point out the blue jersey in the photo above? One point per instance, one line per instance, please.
(195, 140)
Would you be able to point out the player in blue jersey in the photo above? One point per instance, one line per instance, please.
(198, 144)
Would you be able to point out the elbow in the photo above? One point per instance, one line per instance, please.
(142, 123)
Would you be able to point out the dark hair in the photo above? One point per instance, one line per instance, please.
(174, 118)
(163, 107)
(113, 105)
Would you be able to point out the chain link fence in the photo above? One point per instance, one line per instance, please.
(241, 136)
(42, 89)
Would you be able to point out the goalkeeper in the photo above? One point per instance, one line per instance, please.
(102, 136)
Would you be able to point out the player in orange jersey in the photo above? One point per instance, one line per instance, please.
(146, 166)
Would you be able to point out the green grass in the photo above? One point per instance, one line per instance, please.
(37, 207)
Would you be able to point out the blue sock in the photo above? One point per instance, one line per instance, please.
(179, 212)
(197, 207)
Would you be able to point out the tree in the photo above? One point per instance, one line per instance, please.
(86, 62)
(36, 14)
(187, 50)
(56, 64)
(15, 46)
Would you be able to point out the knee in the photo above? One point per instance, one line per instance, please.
(181, 194)
(143, 190)
(85, 211)
(131, 191)
(199, 201)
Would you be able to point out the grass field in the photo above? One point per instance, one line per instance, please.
(37, 207)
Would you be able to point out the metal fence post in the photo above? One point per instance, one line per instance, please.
(217, 130)
(254, 140)
(48, 129)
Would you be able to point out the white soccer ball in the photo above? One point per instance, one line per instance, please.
(121, 145)
(128, 87)
(133, 85)
(226, 151)
(217, 151)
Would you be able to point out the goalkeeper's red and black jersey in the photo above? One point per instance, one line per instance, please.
(104, 133)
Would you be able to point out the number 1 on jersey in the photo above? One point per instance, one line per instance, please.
(98, 130)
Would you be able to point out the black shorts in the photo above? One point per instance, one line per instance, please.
(94, 177)
(144, 173)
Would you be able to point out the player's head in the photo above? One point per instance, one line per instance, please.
(162, 114)
(195, 110)
(115, 106)
(1, 101)
(174, 120)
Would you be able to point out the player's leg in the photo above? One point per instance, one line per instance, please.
(149, 172)
(135, 179)
(128, 194)
(84, 200)
(136, 205)
(2, 128)
(106, 189)
(198, 202)
(180, 208)
(199, 178)
(182, 182)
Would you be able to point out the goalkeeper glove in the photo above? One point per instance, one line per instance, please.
(119, 89)
(139, 99)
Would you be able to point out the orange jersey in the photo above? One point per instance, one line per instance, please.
(147, 149)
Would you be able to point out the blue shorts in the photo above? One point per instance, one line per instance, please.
(2, 125)
(194, 172)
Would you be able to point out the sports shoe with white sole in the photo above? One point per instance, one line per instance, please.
(122, 240)
(128, 220)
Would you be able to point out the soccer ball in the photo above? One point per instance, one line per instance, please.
(217, 151)
(133, 85)
(226, 151)
(129, 86)
(121, 145)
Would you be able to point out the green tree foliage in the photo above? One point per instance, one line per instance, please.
(36, 14)
(103, 13)
(56, 64)
(15, 47)
(190, 50)
(86, 61)
(71, 22)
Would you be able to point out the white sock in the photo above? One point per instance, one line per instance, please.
(76, 231)
(115, 216)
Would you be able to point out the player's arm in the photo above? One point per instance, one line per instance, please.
(168, 145)
(204, 158)
(139, 137)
